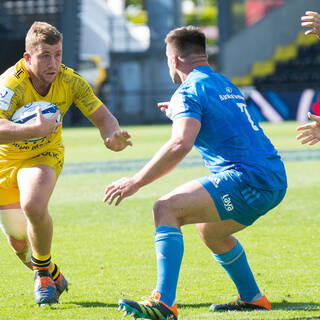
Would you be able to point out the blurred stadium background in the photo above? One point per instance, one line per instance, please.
(117, 45)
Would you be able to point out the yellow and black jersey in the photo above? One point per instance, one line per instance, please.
(16, 90)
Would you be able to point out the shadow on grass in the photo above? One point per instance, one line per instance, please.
(285, 305)
(195, 305)
(295, 306)
(92, 304)
(276, 306)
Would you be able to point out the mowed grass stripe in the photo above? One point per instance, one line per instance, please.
(188, 162)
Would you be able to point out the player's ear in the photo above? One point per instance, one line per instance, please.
(176, 60)
(27, 57)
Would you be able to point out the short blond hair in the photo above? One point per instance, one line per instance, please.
(42, 32)
(187, 40)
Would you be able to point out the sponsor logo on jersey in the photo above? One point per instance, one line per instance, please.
(231, 96)
(227, 202)
(6, 95)
(228, 89)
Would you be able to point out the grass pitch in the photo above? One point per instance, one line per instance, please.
(107, 253)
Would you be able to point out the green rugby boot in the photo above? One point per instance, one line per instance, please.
(151, 308)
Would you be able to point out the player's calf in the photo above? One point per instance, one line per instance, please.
(22, 250)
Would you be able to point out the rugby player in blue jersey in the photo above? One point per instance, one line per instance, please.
(247, 178)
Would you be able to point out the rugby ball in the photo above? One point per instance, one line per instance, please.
(28, 113)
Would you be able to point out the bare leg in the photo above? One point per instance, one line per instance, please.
(229, 253)
(14, 225)
(36, 185)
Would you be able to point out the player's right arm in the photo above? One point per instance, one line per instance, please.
(11, 132)
(184, 133)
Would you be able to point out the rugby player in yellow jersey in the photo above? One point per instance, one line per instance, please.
(29, 170)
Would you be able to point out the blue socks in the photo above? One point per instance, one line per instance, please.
(169, 251)
(236, 265)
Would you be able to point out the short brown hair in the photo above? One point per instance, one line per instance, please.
(187, 40)
(42, 32)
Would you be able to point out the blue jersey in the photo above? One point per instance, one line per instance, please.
(229, 138)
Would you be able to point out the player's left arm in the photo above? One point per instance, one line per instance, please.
(184, 133)
(114, 138)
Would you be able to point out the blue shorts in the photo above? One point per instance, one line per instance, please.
(237, 200)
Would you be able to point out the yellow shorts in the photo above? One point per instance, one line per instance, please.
(9, 191)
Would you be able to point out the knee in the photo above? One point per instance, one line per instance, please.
(22, 249)
(163, 213)
(203, 230)
(158, 210)
(209, 234)
(17, 245)
(34, 209)
(13, 223)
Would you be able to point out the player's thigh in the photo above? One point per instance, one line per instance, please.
(9, 192)
(189, 203)
(36, 184)
(37, 176)
(9, 168)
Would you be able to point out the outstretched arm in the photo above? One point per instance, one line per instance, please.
(311, 131)
(114, 138)
(311, 20)
(184, 133)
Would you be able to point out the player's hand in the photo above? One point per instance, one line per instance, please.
(45, 127)
(163, 106)
(119, 190)
(311, 20)
(118, 141)
(311, 131)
